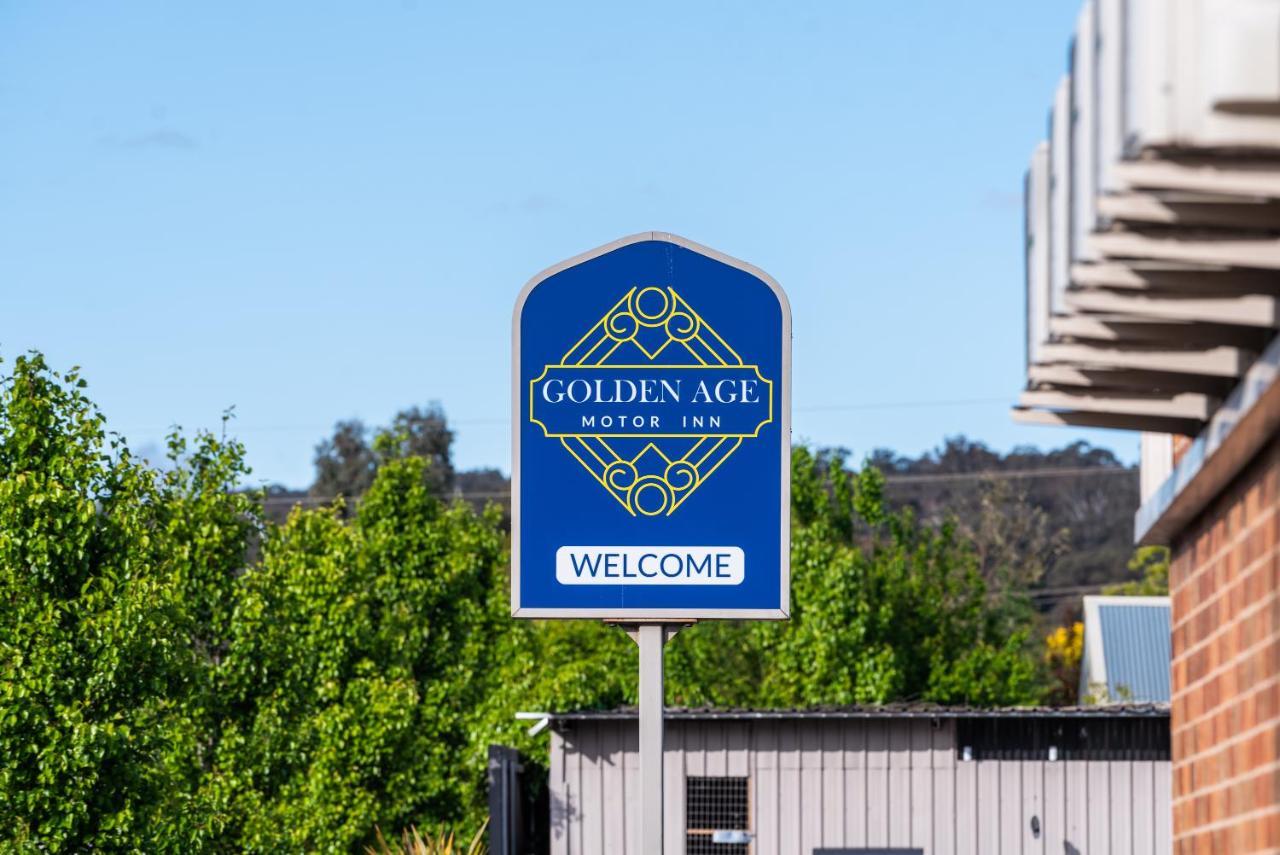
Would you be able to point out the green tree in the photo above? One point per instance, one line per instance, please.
(165, 688)
(884, 608)
(1071, 524)
(1150, 564)
(347, 462)
(115, 584)
(1063, 650)
(359, 653)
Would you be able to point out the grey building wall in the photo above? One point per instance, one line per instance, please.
(850, 783)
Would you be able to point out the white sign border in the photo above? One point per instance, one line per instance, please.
(651, 614)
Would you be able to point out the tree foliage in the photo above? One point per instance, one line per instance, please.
(1063, 650)
(177, 674)
(1071, 524)
(1149, 574)
(347, 462)
(116, 590)
(884, 608)
(358, 653)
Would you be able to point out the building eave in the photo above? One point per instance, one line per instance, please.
(1246, 421)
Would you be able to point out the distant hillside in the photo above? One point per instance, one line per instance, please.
(1063, 518)
(1058, 522)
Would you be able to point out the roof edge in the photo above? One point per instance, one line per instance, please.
(1144, 710)
(1242, 426)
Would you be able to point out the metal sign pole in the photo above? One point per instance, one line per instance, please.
(651, 638)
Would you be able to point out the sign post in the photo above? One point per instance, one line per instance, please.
(651, 638)
(651, 397)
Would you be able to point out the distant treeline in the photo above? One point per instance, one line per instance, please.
(1067, 513)
(178, 673)
(1060, 521)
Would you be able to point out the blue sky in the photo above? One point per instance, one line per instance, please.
(315, 211)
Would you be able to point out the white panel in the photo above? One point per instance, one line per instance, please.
(1155, 462)
(1121, 802)
(1036, 202)
(1143, 817)
(1100, 820)
(1163, 791)
(738, 743)
(943, 767)
(613, 789)
(1202, 74)
(1230, 46)
(921, 733)
(811, 798)
(1083, 134)
(877, 783)
(695, 752)
(833, 781)
(1032, 802)
(629, 736)
(1110, 89)
(1054, 819)
(900, 782)
(1186, 68)
(944, 745)
(789, 816)
(1243, 63)
(673, 769)
(593, 804)
(576, 807)
(673, 821)
(764, 814)
(1148, 83)
(1011, 809)
(788, 744)
(716, 749)
(944, 805)
(1060, 197)
(557, 797)
(968, 809)
(988, 807)
(923, 812)
(855, 793)
(1077, 804)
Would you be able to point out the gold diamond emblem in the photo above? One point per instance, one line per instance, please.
(652, 468)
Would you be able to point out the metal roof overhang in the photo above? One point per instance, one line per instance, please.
(890, 711)
(1152, 257)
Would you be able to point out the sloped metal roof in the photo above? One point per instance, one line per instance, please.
(906, 710)
(1136, 649)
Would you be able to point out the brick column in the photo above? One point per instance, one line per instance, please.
(1225, 587)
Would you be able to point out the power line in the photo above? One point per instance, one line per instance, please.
(1001, 474)
(502, 420)
(902, 405)
(1062, 472)
(1067, 591)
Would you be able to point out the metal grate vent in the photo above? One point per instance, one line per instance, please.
(1059, 739)
(711, 805)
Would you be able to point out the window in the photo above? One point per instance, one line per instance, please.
(1119, 738)
(711, 805)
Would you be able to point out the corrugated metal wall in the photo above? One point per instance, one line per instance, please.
(873, 783)
(1137, 649)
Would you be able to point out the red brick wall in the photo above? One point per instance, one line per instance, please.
(1225, 584)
